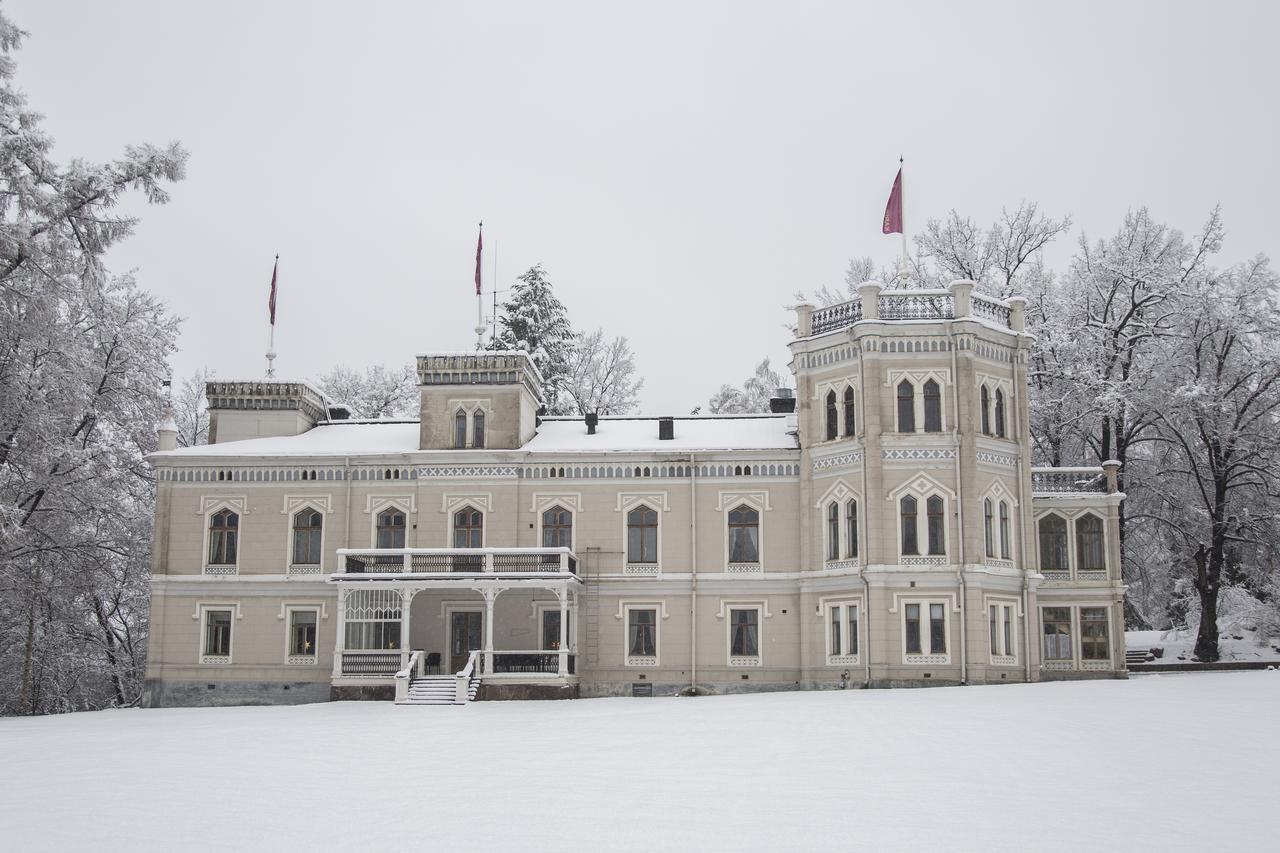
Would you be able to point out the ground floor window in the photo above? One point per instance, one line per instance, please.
(1057, 633)
(842, 628)
(551, 629)
(744, 632)
(1003, 624)
(216, 645)
(1093, 634)
(1077, 637)
(302, 636)
(642, 636)
(925, 629)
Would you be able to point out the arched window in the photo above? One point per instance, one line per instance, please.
(642, 535)
(932, 407)
(1006, 552)
(557, 528)
(985, 402)
(937, 534)
(390, 529)
(833, 531)
(306, 537)
(1053, 543)
(988, 524)
(744, 535)
(833, 428)
(1090, 553)
(906, 407)
(477, 429)
(468, 528)
(460, 429)
(999, 413)
(910, 541)
(224, 529)
(848, 412)
(851, 529)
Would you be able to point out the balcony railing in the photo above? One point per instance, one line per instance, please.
(1068, 480)
(921, 305)
(836, 316)
(911, 305)
(444, 561)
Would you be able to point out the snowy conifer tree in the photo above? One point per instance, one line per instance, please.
(535, 321)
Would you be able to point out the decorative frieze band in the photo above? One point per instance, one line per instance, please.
(917, 454)
(851, 458)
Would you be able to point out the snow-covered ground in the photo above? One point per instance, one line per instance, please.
(1159, 762)
(1179, 646)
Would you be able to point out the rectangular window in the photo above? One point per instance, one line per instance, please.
(937, 629)
(913, 629)
(1093, 634)
(843, 627)
(551, 630)
(302, 633)
(642, 636)
(744, 633)
(1057, 632)
(371, 636)
(1006, 552)
(1000, 617)
(217, 633)
(924, 629)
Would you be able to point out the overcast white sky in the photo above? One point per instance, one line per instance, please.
(681, 169)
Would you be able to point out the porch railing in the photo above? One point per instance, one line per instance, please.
(462, 679)
(533, 663)
(474, 561)
(411, 670)
(375, 663)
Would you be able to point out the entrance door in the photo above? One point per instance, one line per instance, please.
(464, 637)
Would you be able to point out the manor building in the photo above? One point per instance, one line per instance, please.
(882, 527)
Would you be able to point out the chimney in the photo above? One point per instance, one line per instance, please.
(592, 419)
(167, 433)
(339, 412)
(783, 402)
(666, 429)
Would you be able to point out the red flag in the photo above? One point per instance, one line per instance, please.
(893, 210)
(479, 247)
(271, 303)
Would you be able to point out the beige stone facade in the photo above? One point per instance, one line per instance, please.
(890, 531)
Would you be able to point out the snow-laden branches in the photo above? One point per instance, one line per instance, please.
(601, 376)
(377, 392)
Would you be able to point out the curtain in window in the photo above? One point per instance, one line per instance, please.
(744, 535)
(745, 628)
(932, 407)
(224, 528)
(302, 632)
(217, 632)
(640, 627)
(1053, 542)
(1057, 633)
(1089, 542)
(906, 407)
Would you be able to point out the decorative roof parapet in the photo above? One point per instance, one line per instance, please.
(498, 367)
(959, 301)
(1069, 480)
(266, 394)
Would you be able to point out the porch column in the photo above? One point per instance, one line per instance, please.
(562, 592)
(406, 600)
(339, 643)
(490, 596)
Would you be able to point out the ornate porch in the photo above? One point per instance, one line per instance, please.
(437, 623)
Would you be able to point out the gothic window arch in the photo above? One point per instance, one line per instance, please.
(1052, 531)
(1000, 431)
(468, 528)
(744, 534)
(984, 402)
(557, 527)
(833, 428)
(1006, 538)
(224, 538)
(851, 529)
(1090, 550)
(849, 422)
(932, 406)
(833, 531)
(308, 528)
(477, 428)
(906, 406)
(988, 523)
(642, 535)
(390, 528)
(460, 429)
(909, 512)
(935, 508)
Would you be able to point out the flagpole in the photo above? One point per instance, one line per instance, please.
(271, 336)
(480, 324)
(902, 203)
(494, 318)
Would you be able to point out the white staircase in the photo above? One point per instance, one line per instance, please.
(438, 690)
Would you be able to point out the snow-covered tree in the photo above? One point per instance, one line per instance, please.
(601, 376)
(82, 360)
(378, 392)
(191, 409)
(1005, 259)
(535, 321)
(753, 396)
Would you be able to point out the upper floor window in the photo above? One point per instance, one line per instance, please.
(477, 429)
(932, 407)
(910, 516)
(937, 526)
(744, 535)
(390, 529)
(460, 429)
(1053, 543)
(224, 529)
(468, 528)
(833, 428)
(557, 528)
(906, 407)
(307, 526)
(1090, 553)
(984, 402)
(988, 527)
(833, 531)
(848, 412)
(1006, 552)
(999, 413)
(851, 529)
(642, 535)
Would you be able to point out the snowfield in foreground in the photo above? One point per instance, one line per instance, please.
(1162, 762)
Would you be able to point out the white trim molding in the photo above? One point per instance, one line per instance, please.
(659, 607)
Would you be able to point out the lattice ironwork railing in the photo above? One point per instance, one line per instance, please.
(462, 560)
(371, 663)
(836, 316)
(524, 663)
(1068, 480)
(904, 305)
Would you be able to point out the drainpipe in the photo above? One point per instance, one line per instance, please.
(964, 643)
(863, 558)
(346, 524)
(693, 575)
(1023, 508)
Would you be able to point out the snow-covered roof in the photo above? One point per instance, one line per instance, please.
(555, 435)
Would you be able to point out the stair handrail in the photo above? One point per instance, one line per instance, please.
(403, 676)
(462, 679)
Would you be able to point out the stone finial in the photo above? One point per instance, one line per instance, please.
(961, 293)
(870, 294)
(167, 433)
(1112, 469)
(804, 320)
(1018, 314)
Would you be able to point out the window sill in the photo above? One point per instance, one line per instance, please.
(308, 569)
(930, 560)
(737, 661)
(643, 570)
(996, 563)
(925, 660)
(832, 565)
(744, 569)
(221, 570)
(842, 660)
(301, 660)
(215, 660)
(642, 661)
(1003, 660)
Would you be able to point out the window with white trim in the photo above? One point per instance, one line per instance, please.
(1002, 623)
(851, 529)
(744, 633)
(744, 535)
(988, 523)
(551, 628)
(984, 402)
(308, 525)
(909, 514)
(924, 626)
(842, 633)
(1006, 550)
(932, 406)
(833, 428)
(373, 619)
(833, 531)
(1000, 432)
(1094, 641)
(1091, 553)
(1057, 633)
(224, 535)
(477, 428)
(215, 641)
(460, 429)
(389, 531)
(906, 406)
(303, 623)
(642, 635)
(642, 535)
(1052, 531)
